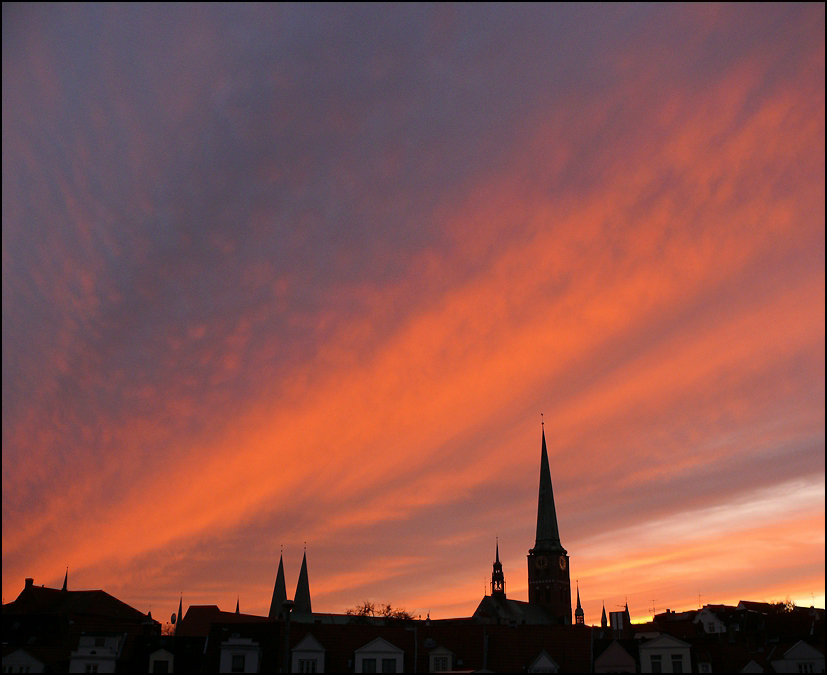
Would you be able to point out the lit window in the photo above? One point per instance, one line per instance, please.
(238, 663)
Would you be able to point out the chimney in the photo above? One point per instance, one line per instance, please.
(29, 582)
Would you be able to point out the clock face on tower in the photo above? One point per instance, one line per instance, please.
(541, 562)
(562, 562)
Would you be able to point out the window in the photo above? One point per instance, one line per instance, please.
(100, 642)
(368, 665)
(238, 663)
(656, 664)
(440, 664)
(710, 627)
(160, 667)
(307, 665)
(91, 667)
(805, 668)
(388, 665)
(677, 663)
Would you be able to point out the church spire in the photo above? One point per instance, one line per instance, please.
(548, 536)
(302, 599)
(497, 576)
(180, 610)
(236, 605)
(603, 622)
(66, 581)
(579, 617)
(279, 592)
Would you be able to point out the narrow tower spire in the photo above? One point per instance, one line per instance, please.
(302, 598)
(579, 616)
(180, 610)
(236, 605)
(497, 576)
(66, 581)
(548, 536)
(279, 592)
(603, 622)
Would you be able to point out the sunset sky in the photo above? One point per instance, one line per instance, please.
(288, 274)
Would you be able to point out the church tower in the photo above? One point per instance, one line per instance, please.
(548, 562)
(497, 577)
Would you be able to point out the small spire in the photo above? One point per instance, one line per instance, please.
(279, 592)
(302, 597)
(579, 616)
(66, 581)
(236, 604)
(498, 550)
(603, 621)
(180, 611)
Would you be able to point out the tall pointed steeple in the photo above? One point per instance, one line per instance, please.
(279, 592)
(497, 576)
(579, 616)
(302, 598)
(603, 622)
(66, 581)
(548, 536)
(549, 582)
(236, 605)
(180, 611)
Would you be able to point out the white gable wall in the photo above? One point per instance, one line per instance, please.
(378, 649)
(671, 653)
(308, 651)
(800, 658)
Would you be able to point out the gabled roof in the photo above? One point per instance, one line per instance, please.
(309, 644)
(41, 600)
(379, 645)
(544, 662)
(198, 619)
(508, 611)
(615, 652)
(664, 641)
(801, 650)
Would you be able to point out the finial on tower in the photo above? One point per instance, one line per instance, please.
(542, 421)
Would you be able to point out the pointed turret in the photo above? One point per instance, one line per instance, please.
(279, 592)
(603, 622)
(236, 606)
(497, 576)
(579, 616)
(548, 536)
(302, 597)
(66, 581)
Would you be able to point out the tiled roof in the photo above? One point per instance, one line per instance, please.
(507, 610)
(40, 600)
(199, 618)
